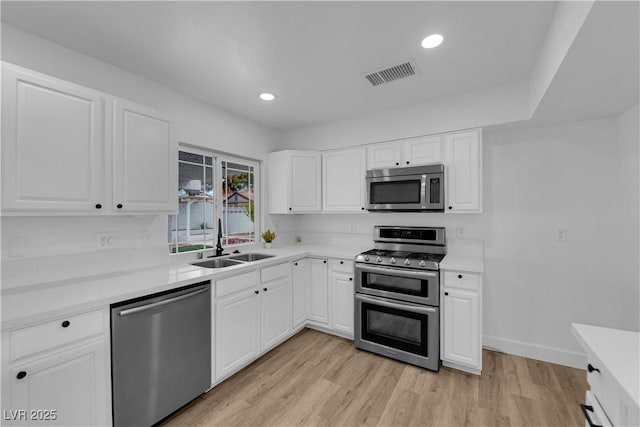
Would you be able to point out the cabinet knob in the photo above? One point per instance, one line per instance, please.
(324, 262)
(21, 375)
(446, 293)
(264, 289)
(341, 262)
(119, 206)
(362, 208)
(256, 292)
(66, 324)
(295, 263)
(407, 161)
(459, 276)
(397, 164)
(289, 208)
(450, 207)
(590, 368)
(351, 279)
(98, 206)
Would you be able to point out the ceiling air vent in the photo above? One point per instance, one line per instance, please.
(386, 75)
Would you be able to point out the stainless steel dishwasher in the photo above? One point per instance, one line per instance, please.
(160, 354)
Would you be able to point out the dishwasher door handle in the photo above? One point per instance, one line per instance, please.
(160, 303)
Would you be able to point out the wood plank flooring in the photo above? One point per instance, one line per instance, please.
(315, 379)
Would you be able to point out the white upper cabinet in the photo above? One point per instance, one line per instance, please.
(411, 152)
(343, 180)
(67, 149)
(294, 181)
(144, 160)
(52, 144)
(463, 178)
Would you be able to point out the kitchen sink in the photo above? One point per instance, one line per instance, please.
(216, 263)
(251, 257)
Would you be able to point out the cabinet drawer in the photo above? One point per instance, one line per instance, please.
(275, 272)
(342, 265)
(236, 283)
(609, 394)
(455, 279)
(55, 333)
(595, 412)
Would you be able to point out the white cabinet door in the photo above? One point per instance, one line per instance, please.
(342, 302)
(422, 151)
(145, 159)
(464, 171)
(74, 383)
(318, 291)
(52, 144)
(343, 179)
(237, 331)
(305, 182)
(460, 325)
(301, 277)
(276, 311)
(385, 155)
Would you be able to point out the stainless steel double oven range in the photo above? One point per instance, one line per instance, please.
(397, 294)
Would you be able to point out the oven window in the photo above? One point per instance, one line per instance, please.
(395, 328)
(396, 192)
(404, 285)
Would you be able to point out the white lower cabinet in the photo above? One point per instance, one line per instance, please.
(342, 296)
(461, 320)
(300, 277)
(237, 331)
(61, 378)
(65, 389)
(275, 301)
(318, 291)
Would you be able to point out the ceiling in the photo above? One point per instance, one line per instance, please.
(312, 55)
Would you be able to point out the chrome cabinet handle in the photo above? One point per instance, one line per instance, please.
(160, 303)
(396, 272)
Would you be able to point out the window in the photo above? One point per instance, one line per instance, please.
(213, 189)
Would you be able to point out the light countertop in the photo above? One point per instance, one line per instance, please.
(616, 349)
(34, 304)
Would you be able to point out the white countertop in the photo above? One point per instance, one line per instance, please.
(618, 350)
(33, 304)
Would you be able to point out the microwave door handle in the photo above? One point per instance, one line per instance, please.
(405, 307)
(397, 272)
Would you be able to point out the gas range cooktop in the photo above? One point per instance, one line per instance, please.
(406, 247)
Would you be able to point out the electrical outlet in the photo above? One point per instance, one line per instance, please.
(460, 231)
(298, 239)
(105, 240)
(561, 234)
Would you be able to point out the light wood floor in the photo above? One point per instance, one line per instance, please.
(317, 379)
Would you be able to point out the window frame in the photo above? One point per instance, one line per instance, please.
(218, 197)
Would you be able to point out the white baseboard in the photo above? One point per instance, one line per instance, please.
(535, 351)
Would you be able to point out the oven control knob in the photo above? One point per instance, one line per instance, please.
(366, 257)
(407, 262)
(392, 260)
(422, 263)
(379, 259)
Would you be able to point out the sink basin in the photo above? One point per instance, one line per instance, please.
(251, 257)
(216, 263)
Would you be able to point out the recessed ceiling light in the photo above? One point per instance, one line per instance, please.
(432, 41)
(266, 96)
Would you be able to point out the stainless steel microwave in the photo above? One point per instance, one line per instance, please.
(417, 188)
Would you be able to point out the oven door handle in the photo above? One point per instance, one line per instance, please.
(396, 271)
(413, 308)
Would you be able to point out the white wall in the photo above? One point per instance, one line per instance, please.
(141, 239)
(537, 180)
